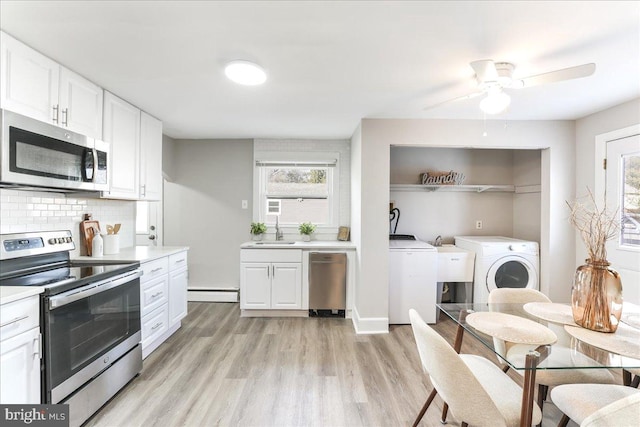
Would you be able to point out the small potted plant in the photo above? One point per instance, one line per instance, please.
(306, 229)
(258, 229)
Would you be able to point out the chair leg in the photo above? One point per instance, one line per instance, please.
(563, 421)
(445, 410)
(425, 406)
(636, 381)
(542, 396)
(505, 368)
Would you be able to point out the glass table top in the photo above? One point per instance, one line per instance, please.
(567, 352)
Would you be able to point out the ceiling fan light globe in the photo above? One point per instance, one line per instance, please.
(495, 103)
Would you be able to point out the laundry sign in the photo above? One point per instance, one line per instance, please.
(442, 178)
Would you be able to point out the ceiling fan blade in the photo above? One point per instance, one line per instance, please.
(485, 70)
(459, 98)
(576, 72)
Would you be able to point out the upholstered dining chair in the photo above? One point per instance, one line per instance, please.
(544, 378)
(597, 405)
(476, 390)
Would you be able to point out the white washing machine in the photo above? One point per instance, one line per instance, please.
(501, 262)
(413, 266)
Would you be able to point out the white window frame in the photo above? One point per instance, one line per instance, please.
(297, 159)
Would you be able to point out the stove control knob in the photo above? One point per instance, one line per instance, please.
(53, 241)
(68, 239)
(60, 239)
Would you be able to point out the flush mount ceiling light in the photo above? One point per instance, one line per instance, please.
(496, 101)
(245, 73)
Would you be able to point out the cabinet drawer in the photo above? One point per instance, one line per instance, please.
(154, 324)
(177, 261)
(270, 255)
(19, 316)
(153, 294)
(153, 269)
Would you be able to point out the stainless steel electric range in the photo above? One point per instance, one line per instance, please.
(89, 318)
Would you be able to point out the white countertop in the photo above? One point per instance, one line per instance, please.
(138, 253)
(314, 244)
(14, 293)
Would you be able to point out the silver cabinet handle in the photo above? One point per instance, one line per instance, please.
(273, 268)
(179, 261)
(155, 270)
(143, 190)
(17, 319)
(157, 325)
(54, 119)
(157, 294)
(65, 117)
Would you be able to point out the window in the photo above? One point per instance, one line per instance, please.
(630, 211)
(294, 193)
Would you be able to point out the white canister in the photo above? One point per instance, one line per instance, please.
(97, 246)
(111, 243)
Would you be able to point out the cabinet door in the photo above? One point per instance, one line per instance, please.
(81, 104)
(29, 81)
(122, 130)
(150, 157)
(255, 285)
(20, 361)
(178, 281)
(286, 286)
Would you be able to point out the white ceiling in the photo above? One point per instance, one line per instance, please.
(333, 63)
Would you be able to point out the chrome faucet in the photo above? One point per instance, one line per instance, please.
(438, 241)
(279, 234)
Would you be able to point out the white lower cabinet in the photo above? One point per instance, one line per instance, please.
(270, 279)
(20, 351)
(163, 298)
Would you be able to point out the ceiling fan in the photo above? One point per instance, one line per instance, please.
(494, 77)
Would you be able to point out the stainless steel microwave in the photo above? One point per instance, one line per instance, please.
(38, 154)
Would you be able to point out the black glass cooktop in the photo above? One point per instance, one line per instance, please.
(58, 279)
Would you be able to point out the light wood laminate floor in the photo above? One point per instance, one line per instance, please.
(220, 369)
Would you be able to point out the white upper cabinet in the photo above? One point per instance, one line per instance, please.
(29, 81)
(36, 86)
(80, 104)
(150, 158)
(121, 128)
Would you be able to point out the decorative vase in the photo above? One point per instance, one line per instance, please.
(596, 296)
(306, 237)
(257, 237)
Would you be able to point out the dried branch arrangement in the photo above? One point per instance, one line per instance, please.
(596, 297)
(596, 226)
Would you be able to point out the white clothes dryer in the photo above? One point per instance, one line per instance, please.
(501, 262)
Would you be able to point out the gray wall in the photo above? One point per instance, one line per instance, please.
(429, 214)
(202, 207)
(587, 129)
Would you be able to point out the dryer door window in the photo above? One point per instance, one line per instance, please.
(511, 272)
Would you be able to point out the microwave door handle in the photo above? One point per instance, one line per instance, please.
(95, 164)
(88, 175)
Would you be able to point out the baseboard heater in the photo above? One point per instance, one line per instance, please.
(213, 294)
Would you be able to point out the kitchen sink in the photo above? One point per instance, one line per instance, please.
(274, 243)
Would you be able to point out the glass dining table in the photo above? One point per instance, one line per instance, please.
(544, 336)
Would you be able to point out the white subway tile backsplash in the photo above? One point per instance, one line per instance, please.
(22, 211)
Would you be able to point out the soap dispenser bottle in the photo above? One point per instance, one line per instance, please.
(97, 244)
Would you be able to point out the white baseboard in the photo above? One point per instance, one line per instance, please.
(274, 313)
(212, 295)
(369, 325)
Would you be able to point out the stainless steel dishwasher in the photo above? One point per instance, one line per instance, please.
(327, 284)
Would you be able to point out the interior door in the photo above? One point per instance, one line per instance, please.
(148, 223)
(622, 192)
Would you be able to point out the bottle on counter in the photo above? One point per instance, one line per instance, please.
(97, 244)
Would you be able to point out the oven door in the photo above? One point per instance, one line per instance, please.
(87, 330)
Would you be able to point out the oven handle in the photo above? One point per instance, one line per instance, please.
(92, 289)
